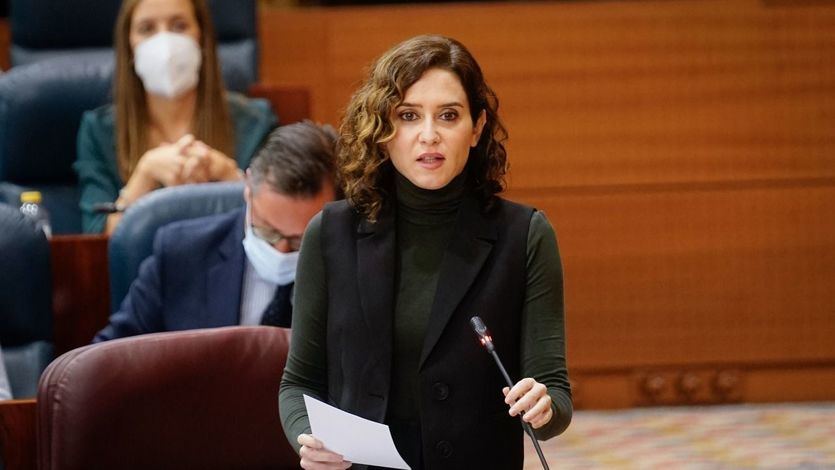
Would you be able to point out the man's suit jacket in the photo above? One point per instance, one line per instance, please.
(192, 280)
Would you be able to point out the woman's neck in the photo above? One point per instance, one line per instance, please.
(429, 207)
(170, 119)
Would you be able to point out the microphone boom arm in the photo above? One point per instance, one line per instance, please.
(487, 341)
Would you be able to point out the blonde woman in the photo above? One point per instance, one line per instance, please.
(172, 122)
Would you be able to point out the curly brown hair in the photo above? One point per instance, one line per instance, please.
(364, 165)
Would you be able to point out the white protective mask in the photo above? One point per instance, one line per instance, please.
(270, 264)
(168, 63)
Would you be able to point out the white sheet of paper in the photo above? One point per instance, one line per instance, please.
(358, 440)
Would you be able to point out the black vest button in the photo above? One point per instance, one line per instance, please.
(444, 448)
(440, 391)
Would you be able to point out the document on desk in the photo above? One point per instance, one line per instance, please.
(357, 439)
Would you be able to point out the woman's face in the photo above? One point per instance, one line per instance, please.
(154, 16)
(434, 130)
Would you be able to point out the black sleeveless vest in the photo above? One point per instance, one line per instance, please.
(464, 421)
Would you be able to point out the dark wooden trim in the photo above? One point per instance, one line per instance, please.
(17, 434)
(700, 186)
(702, 385)
(5, 44)
(730, 364)
(80, 289)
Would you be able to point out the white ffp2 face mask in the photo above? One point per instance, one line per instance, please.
(168, 64)
(270, 264)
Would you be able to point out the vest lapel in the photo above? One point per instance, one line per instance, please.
(471, 243)
(375, 276)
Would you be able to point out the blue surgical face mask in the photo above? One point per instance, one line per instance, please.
(270, 264)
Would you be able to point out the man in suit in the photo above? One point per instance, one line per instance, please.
(236, 268)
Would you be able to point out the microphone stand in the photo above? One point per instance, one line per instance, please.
(484, 337)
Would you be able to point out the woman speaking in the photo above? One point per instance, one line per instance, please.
(389, 278)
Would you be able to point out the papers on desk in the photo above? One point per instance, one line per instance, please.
(357, 439)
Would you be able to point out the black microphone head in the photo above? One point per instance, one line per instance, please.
(478, 326)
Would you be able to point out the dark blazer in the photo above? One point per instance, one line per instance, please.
(463, 420)
(192, 280)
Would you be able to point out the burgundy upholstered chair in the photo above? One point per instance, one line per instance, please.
(189, 399)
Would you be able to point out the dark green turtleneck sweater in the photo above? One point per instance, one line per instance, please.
(425, 219)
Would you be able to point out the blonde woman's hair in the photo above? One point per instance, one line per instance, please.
(365, 168)
(211, 122)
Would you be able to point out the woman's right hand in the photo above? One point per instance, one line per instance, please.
(164, 164)
(314, 456)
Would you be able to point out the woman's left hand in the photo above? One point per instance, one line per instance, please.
(196, 169)
(219, 166)
(531, 398)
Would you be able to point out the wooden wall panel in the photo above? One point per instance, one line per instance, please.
(688, 276)
(607, 92)
(684, 281)
(685, 152)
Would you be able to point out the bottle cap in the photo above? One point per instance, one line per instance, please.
(31, 196)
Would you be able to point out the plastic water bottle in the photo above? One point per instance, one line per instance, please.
(30, 206)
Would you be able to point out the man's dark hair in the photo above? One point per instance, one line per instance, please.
(296, 160)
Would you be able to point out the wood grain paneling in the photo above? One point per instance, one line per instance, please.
(607, 92)
(704, 385)
(5, 42)
(682, 149)
(17, 434)
(80, 289)
(697, 275)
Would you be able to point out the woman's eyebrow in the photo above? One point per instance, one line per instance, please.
(152, 17)
(452, 104)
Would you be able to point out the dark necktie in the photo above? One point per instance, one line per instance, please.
(280, 311)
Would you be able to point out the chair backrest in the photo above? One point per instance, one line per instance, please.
(25, 301)
(133, 239)
(40, 108)
(187, 399)
(44, 29)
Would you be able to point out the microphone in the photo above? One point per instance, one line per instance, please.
(487, 341)
(483, 335)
